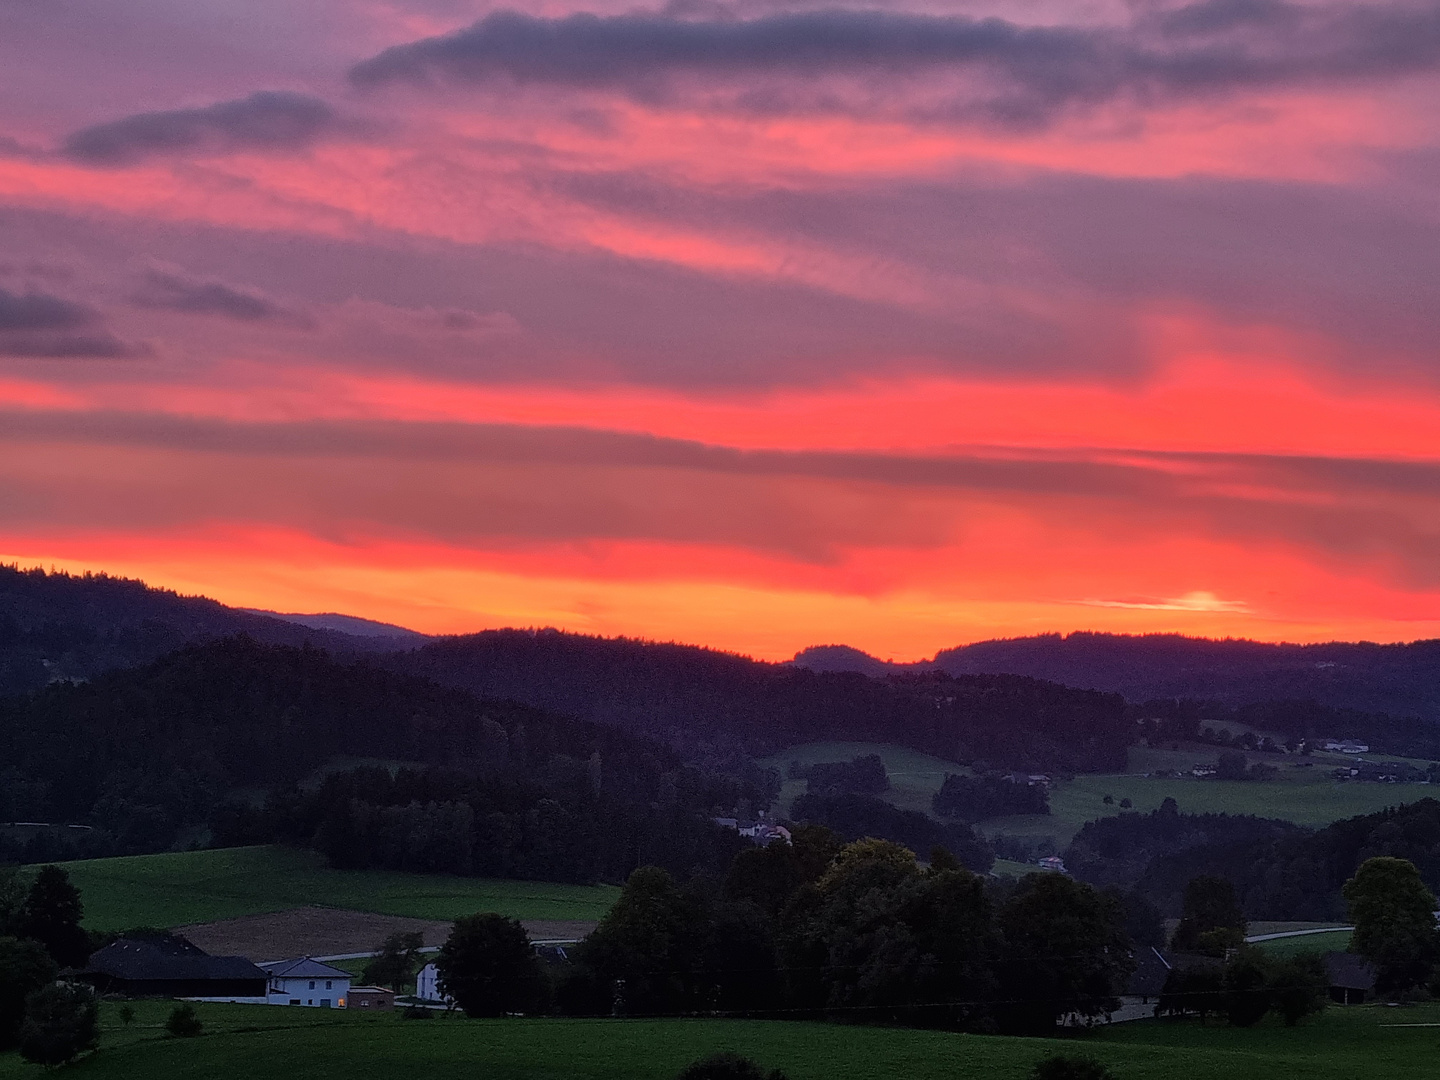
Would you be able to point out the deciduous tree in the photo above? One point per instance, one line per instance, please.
(488, 967)
(1394, 919)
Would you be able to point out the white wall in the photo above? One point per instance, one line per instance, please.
(286, 991)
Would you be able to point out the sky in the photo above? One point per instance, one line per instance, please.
(755, 324)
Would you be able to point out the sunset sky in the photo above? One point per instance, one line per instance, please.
(756, 324)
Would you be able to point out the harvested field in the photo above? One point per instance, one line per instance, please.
(317, 931)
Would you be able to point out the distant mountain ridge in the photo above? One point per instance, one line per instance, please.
(58, 627)
(1401, 679)
(346, 624)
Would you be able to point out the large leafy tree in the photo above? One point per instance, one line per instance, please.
(1394, 917)
(488, 967)
(1066, 952)
(878, 939)
(51, 915)
(25, 967)
(1212, 919)
(646, 947)
(61, 1022)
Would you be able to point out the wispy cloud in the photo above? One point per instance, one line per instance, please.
(1198, 601)
(172, 290)
(271, 120)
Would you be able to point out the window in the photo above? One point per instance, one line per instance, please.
(327, 984)
(324, 1003)
(312, 984)
(294, 1001)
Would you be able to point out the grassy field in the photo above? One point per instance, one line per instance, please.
(1338, 941)
(263, 1041)
(914, 777)
(203, 886)
(1306, 796)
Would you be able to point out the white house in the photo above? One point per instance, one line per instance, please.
(427, 985)
(307, 982)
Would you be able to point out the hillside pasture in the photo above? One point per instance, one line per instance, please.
(242, 1042)
(182, 888)
(1306, 796)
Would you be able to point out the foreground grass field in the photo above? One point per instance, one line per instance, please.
(261, 1042)
(203, 886)
(1306, 796)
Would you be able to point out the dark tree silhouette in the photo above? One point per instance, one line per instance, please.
(488, 967)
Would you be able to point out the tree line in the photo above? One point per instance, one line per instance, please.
(1280, 870)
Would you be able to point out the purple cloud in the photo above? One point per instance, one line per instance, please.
(270, 120)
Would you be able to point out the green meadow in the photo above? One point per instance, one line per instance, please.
(1306, 796)
(203, 886)
(261, 1042)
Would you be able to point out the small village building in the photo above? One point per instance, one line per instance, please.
(170, 966)
(374, 998)
(1352, 978)
(308, 983)
(1053, 863)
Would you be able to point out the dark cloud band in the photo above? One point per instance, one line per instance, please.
(173, 291)
(1027, 72)
(269, 120)
(35, 324)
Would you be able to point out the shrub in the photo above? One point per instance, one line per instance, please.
(727, 1066)
(61, 1022)
(183, 1023)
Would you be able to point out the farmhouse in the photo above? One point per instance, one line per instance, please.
(170, 966)
(762, 832)
(307, 982)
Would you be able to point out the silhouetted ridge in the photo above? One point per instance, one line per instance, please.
(58, 626)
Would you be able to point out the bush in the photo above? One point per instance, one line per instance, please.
(1068, 1067)
(183, 1023)
(727, 1066)
(61, 1022)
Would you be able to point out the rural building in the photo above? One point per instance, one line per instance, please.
(1054, 863)
(169, 966)
(1347, 746)
(1147, 981)
(307, 982)
(1352, 978)
(427, 985)
(375, 998)
(762, 832)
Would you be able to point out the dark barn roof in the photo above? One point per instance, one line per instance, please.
(1349, 972)
(158, 960)
(1151, 972)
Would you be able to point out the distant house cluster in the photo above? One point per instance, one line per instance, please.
(1346, 746)
(1029, 779)
(761, 832)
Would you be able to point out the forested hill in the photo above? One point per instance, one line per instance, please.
(704, 700)
(149, 757)
(58, 626)
(1402, 680)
